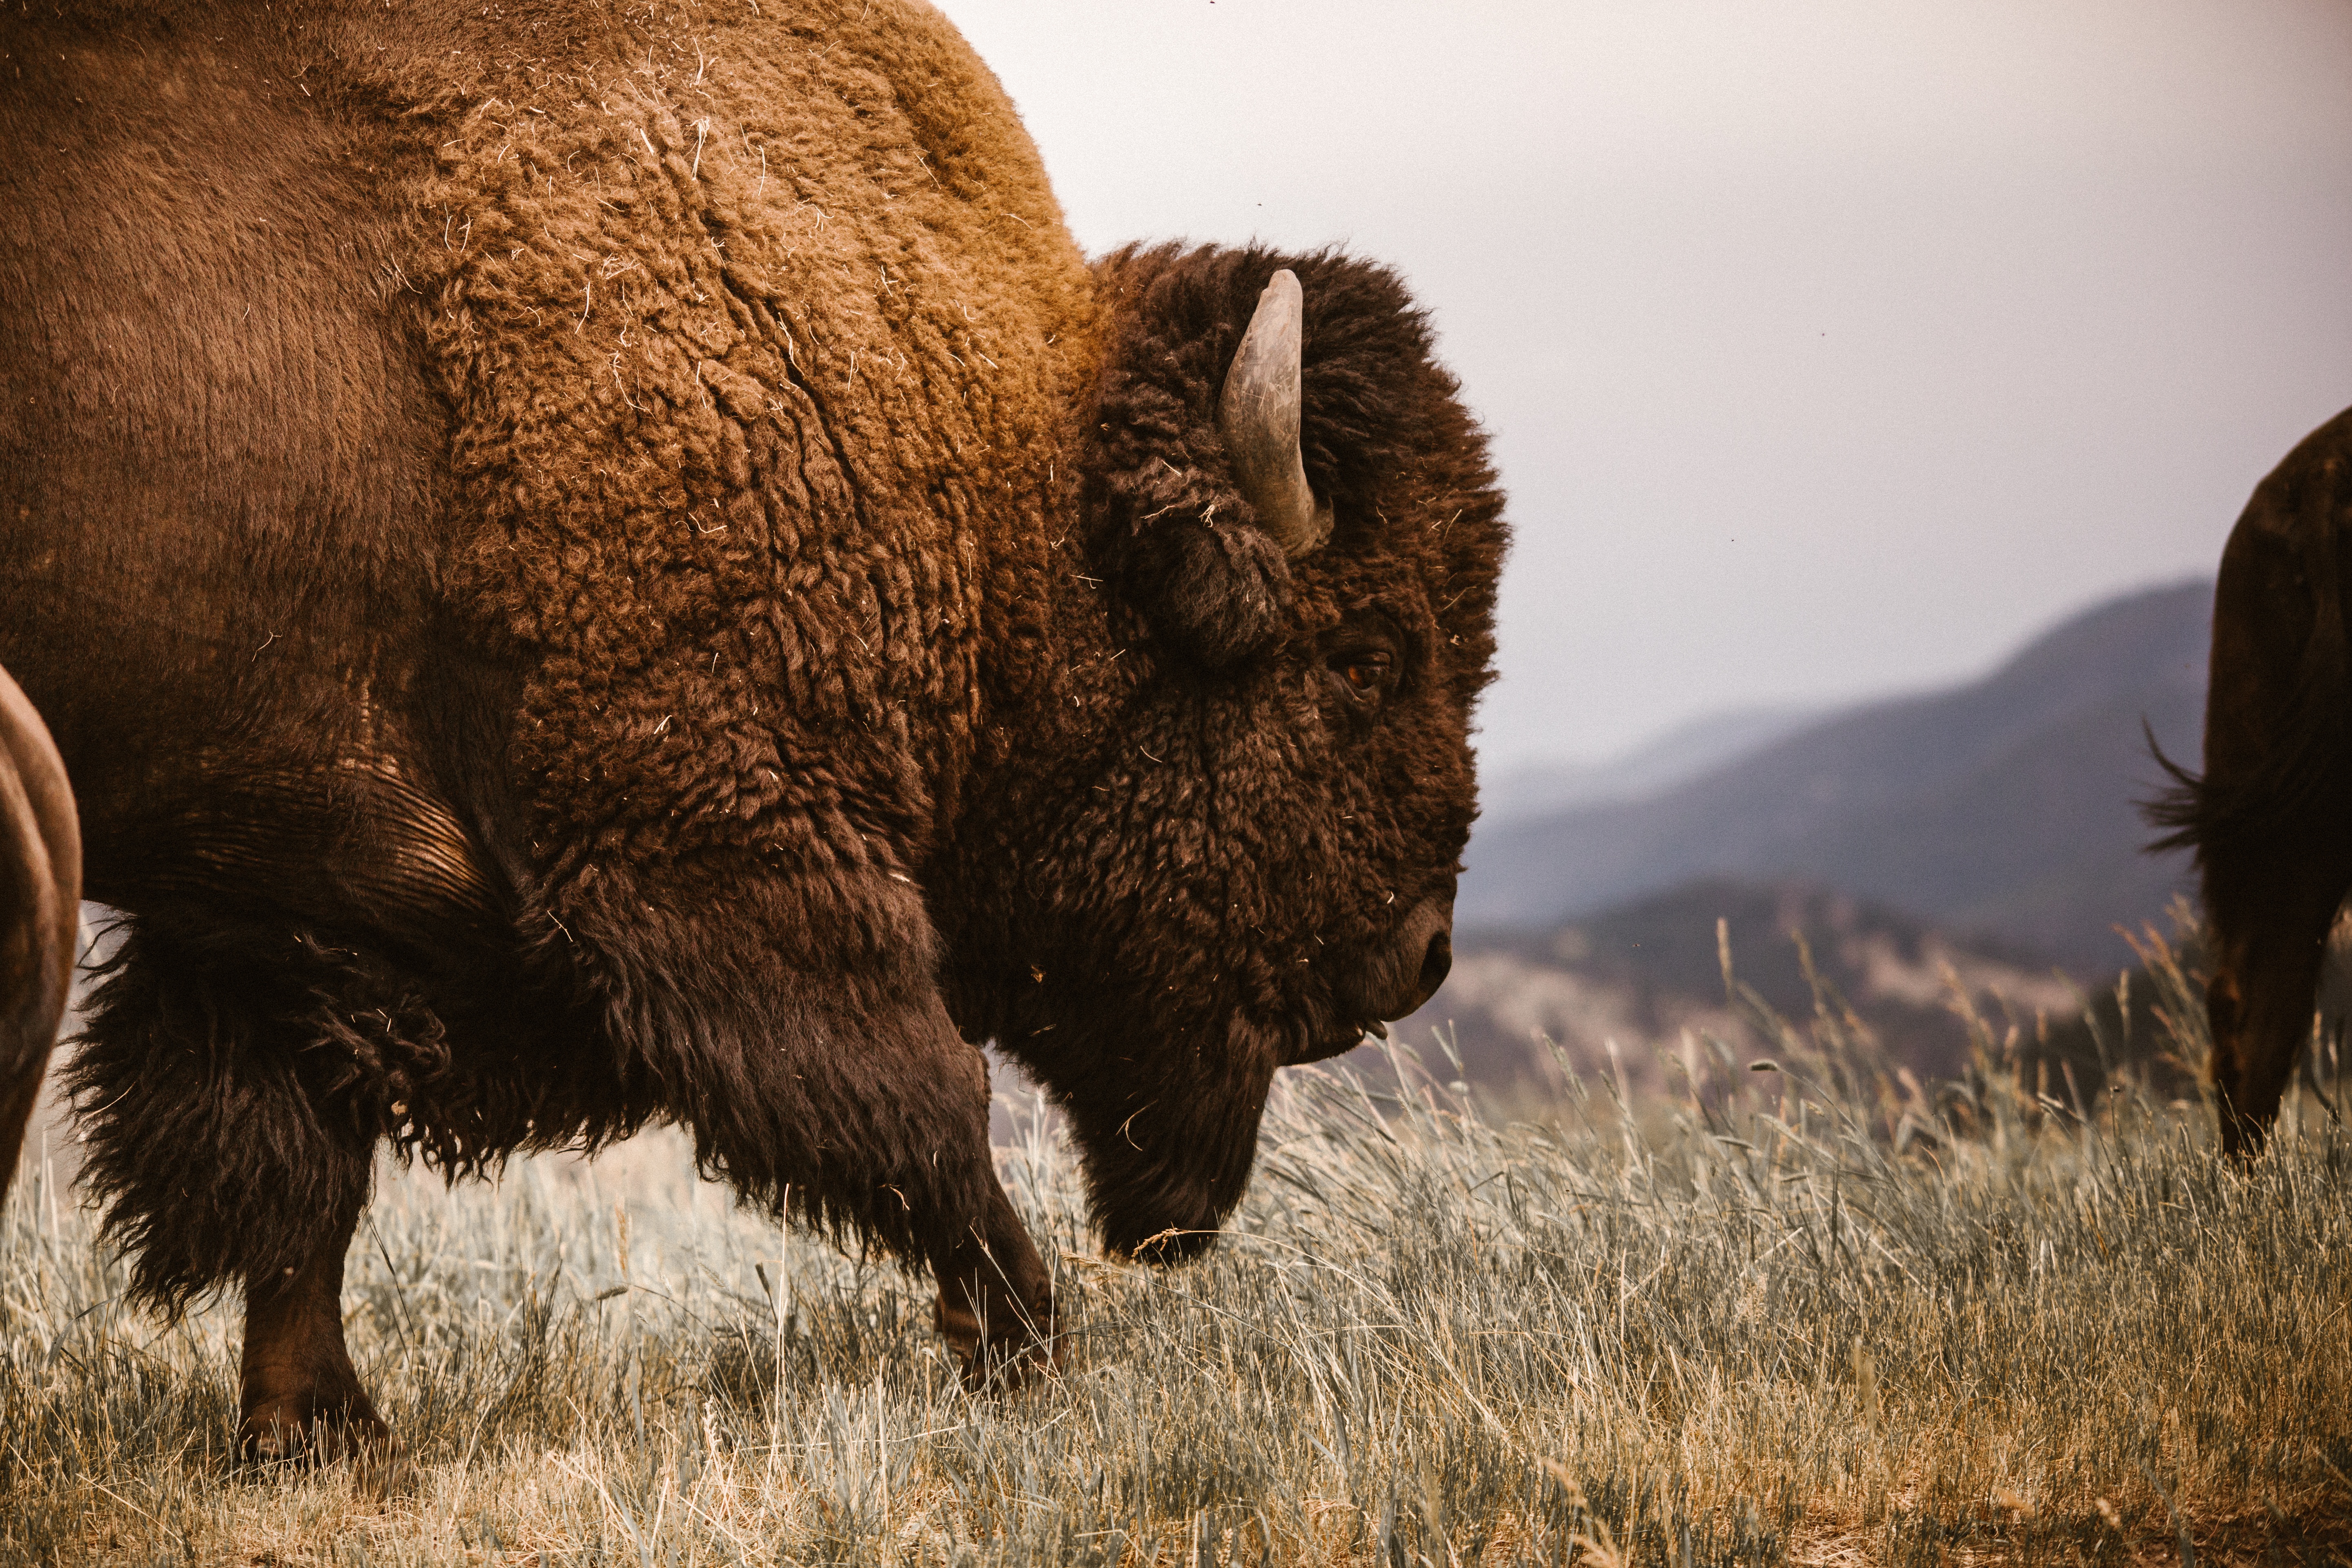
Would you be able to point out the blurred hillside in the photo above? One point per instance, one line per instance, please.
(1683, 753)
(1640, 975)
(2004, 807)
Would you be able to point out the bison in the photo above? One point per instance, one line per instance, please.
(602, 565)
(2271, 819)
(40, 910)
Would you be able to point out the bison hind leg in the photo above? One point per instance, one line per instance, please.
(40, 898)
(299, 1399)
(232, 1142)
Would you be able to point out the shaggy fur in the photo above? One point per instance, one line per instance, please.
(693, 601)
(2268, 819)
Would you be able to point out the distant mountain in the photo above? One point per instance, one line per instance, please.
(1536, 789)
(1641, 974)
(2004, 806)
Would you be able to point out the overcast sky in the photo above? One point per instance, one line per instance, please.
(1831, 347)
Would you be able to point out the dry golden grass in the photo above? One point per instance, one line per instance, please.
(1738, 1327)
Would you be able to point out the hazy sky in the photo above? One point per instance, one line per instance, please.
(1830, 347)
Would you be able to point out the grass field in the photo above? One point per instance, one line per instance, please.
(1798, 1314)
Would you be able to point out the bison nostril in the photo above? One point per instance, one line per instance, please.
(1399, 981)
(1435, 963)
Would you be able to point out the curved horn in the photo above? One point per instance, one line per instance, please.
(1258, 416)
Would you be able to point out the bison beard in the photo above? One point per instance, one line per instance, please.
(763, 617)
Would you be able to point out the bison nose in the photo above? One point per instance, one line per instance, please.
(1422, 955)
(1435, 963)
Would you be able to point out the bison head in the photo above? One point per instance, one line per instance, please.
(1227, 838)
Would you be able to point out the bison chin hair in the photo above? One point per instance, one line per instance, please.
(1168, 1153)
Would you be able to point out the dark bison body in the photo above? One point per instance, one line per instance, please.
(590, 570)
(2270, 819)
(40, 910)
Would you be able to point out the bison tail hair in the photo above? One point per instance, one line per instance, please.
(2179, 807)
(2275, 803)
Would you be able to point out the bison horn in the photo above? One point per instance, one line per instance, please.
(1259, 416)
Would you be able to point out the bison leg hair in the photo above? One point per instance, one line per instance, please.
(299, 1398)
(793, 1024)
(215, 1128)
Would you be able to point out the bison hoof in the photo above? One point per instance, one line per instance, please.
(1000, 1356)
(289, 1432)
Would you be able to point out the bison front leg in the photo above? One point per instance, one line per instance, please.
(299, 1396)
(796, 1026)
(997, 1299)
(880, 1119)
(2259, 1004)
(2269, 918)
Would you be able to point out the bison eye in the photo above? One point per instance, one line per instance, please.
(1365, 675)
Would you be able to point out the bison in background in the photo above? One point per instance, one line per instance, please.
(2271, 819)
(595, 568)
(41, 911)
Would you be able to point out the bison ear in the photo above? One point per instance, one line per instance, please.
(1218, 591)
(1205, 497)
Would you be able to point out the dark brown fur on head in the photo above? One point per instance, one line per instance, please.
(1161, 906)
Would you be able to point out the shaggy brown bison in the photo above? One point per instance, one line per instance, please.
(596, 565)
(2270, 820)
(41, 911)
